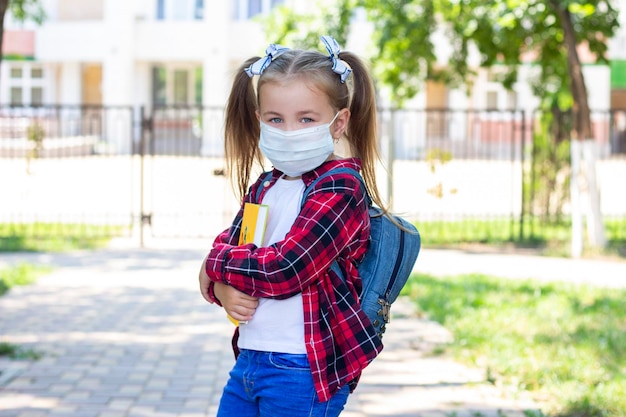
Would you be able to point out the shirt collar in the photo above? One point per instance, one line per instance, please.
(309, 177)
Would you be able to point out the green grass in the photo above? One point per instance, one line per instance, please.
(552, 239)
(55, 237)
(16, 352)
(565, 344)
(22, 274)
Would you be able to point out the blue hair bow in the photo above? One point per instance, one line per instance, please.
(271, 53)
(340, 67)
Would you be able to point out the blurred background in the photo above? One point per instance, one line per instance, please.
(500, 126)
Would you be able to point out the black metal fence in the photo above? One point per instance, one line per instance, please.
(64, 131)
(68, 131)
(158, 170)
(65, 171)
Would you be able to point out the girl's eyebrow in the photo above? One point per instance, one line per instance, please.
(308, 113)
(298, 114)
(271, 113)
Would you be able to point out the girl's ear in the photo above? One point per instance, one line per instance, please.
(341, 123)
(258, 115)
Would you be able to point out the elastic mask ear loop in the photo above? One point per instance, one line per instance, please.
(336, 140)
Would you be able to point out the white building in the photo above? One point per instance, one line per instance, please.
(139, 52)
(130, 52)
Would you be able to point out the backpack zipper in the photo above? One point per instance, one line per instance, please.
(396, 267)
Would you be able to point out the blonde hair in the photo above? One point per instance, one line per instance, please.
(357, 94)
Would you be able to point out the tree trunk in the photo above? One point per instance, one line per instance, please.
(4, 4)
(583, 177)
(581, 112)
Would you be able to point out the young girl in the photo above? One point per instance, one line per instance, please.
(303, 340)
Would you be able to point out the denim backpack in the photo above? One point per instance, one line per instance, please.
(388, 261)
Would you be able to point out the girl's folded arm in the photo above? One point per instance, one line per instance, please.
(327, 223)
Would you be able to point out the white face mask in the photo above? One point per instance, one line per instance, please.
(295, 152)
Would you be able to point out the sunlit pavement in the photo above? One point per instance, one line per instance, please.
(124, 332)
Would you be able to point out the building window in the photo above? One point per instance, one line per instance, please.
(16, 73)
(255, 7)
(492, 76)
(492, 100)
(160, 10)
(26, 84)
(159, 92)
(36, 96)
(198, 85)
(247, 9)
(16, 96)
(199, 10)
(180, 9)
(181, 86)
(176, 85)
(73, 10)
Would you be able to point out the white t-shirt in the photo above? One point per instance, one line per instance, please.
(278, 325)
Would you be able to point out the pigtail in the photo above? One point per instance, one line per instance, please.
(241, 131)
(362, 130)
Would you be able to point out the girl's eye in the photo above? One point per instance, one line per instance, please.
(275, 120)
(306, 120)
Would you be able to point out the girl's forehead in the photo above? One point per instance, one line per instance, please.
(292, 94)
(299, 84)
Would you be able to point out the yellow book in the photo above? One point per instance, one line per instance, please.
(252, 229)
(253, 224)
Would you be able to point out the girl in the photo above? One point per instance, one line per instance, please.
(303, 340)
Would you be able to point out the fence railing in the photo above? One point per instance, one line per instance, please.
(197, 131)
(65, 131)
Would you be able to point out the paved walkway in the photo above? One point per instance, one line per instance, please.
(125, 333)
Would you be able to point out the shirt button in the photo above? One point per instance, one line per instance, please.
(266, 184)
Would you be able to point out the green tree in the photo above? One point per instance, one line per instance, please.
(302, 29)
(22, 10)
(548, 33)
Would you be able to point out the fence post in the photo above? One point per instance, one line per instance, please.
(146, 129)
(523, 177)
(390, 157)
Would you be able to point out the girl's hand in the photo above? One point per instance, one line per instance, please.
(238, 305)
(204, 280)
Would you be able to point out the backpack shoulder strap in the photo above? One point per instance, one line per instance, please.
(338, 170)
(267, 176)
(335, 265)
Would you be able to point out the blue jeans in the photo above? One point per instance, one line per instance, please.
(268, 384)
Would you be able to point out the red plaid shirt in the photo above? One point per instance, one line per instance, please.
(333, 224)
